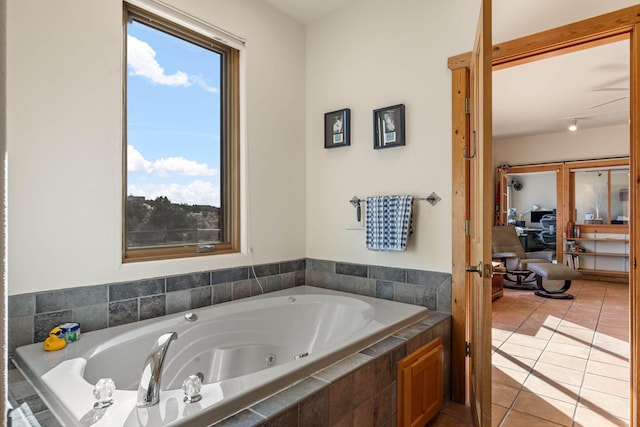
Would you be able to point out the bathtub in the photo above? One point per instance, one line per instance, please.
(244, 350)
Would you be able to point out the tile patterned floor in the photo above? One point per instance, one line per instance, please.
(558, 362)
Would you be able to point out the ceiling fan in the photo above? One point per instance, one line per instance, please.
(612, 88)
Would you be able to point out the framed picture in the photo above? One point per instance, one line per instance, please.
(337, 128)
(388, 127)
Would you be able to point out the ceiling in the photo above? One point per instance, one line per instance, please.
(539, 97)
(590, 85)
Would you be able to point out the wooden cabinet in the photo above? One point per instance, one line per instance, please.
(420, 385)
(600, 255)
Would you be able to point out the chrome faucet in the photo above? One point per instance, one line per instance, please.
(149, 388)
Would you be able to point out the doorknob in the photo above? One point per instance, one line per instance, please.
(475, 268)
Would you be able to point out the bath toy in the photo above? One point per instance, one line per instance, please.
(56, 340)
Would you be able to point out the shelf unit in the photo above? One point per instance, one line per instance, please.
(601, 255)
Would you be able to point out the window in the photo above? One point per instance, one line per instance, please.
(602, 195)
(181, 149)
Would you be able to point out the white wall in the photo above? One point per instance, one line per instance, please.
(595, 143)
(64, 86)
(371, 55)
(64, 129)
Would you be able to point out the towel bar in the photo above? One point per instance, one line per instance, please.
(355, 201)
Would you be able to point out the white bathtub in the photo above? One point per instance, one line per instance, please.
(246, 350)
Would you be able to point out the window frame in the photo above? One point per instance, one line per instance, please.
(229, 142)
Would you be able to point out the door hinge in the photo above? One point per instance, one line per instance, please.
(467, 349)
(467, 227)
(467, 105)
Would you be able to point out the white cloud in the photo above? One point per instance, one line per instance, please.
(203, 84)
(136, 162)
(163, 167)
(196, 192)
(182, 166)
(141, 58)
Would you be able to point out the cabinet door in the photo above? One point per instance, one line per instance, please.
(420, 385)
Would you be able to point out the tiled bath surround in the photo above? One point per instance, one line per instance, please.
(360, 390)
(32, 316)
(426, 288)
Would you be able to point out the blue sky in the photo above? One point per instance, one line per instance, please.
(173, 118)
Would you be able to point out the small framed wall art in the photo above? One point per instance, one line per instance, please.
(337, 126)
(388, 127)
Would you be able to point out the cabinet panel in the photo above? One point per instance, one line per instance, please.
(420, 385)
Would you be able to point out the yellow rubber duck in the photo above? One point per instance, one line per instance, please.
(55, 341)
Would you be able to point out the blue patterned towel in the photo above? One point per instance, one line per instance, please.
(388, 222)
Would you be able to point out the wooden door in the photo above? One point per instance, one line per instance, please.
(480, 222)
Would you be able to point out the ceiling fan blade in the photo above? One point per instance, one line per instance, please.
(608, 102)
(610, 89)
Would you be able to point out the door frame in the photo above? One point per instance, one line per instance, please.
(617, 25)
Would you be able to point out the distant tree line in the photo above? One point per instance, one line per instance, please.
(161, 221)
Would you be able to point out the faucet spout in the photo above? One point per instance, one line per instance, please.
(149, 388)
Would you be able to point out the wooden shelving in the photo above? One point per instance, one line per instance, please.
(600, 255)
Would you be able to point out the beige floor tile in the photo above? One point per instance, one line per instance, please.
(587, 417)
(535, 330)
(520, 419)
(527, 340)
(613, 331)
(500, 334)
(497, 414)
(607, 370)
(581, 351)
(563, 360)
(573, 336)
(615, 345)
(503, 395)
(521, 350)
(604, 403)
(580, 320)
(552, 389)
(517, 363)
(606, 385)
(611, 358)
(548, 320)
(509, 377)
(558, 373)
(509, 317)
(547, 408)
(496, 344)
(505, 326)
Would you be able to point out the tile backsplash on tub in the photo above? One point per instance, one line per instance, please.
(31, 316)
(430, 289)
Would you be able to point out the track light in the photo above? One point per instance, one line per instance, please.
(574, 125)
